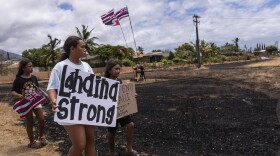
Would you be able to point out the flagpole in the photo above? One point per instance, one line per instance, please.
(132, 30)
(123, 35)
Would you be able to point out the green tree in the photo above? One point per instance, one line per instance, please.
(228, 49)
(185, 51)
(86, 36)
(212, 50)
(271, 48)
(130, 52)
(121, 52)
(105, 52)
(49, 50)
(258, 48)
(208, 50)
(171, 56)
(37, 56)
(34, 56)
(118, 52)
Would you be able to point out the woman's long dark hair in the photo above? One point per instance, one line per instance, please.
(22, 64)
(71, 41)
(110, 64)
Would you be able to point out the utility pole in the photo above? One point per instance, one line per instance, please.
(195, 17)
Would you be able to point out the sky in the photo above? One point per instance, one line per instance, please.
(157, 24)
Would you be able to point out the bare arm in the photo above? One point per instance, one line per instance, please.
(52, 96)
(45, 94)
(17, 95)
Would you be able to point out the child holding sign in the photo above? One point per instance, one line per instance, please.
(112, 71)
(24, 86)
(81, 136)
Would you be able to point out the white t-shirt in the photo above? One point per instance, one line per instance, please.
(57, 70)
(54, 81)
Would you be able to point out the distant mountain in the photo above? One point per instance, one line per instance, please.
(9, 55)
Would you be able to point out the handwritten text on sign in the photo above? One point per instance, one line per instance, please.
(85, 98)
(127, 102)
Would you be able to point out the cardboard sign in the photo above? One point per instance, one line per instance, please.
(127, 102)
(85, 98)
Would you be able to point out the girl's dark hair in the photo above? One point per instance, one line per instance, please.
(23, 62)
(110, 64)
(71, 41)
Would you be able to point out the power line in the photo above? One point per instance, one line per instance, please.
(209, 17)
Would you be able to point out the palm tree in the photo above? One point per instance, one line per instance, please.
(89, 41)
(50, 52)
(235, 41)
(140, 49)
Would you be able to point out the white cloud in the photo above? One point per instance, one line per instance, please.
(157, 24)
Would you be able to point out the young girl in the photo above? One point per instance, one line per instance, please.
(112, 71)
(25, 84)
(81, 136)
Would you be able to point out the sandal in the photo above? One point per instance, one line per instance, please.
(35, 144)
(43, 141)
(132, 153)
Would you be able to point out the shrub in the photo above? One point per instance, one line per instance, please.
(127, 62)
(244, 57)
(96, 65)
(217, 59)
(164, 61)
(189, 61)
(176, 60)
(170, 62)
(232, 58)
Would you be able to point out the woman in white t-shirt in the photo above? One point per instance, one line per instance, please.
(81, 136)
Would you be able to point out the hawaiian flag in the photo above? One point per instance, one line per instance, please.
(122, 13)
(110, 19)
(26, 105)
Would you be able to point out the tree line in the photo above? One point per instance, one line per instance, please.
(212, 53)
(48, 54)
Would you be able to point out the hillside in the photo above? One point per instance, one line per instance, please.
(10, 55)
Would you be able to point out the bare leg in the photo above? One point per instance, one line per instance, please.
(41, 122)
(111, 141)
(129, 135)
(90, 146)
(29, 127)
(77, 135)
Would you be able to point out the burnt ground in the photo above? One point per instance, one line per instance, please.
(184, 111)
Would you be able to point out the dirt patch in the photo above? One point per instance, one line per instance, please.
(14, 140)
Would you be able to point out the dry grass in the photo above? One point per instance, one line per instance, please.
(275, 62)
(14, 140)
